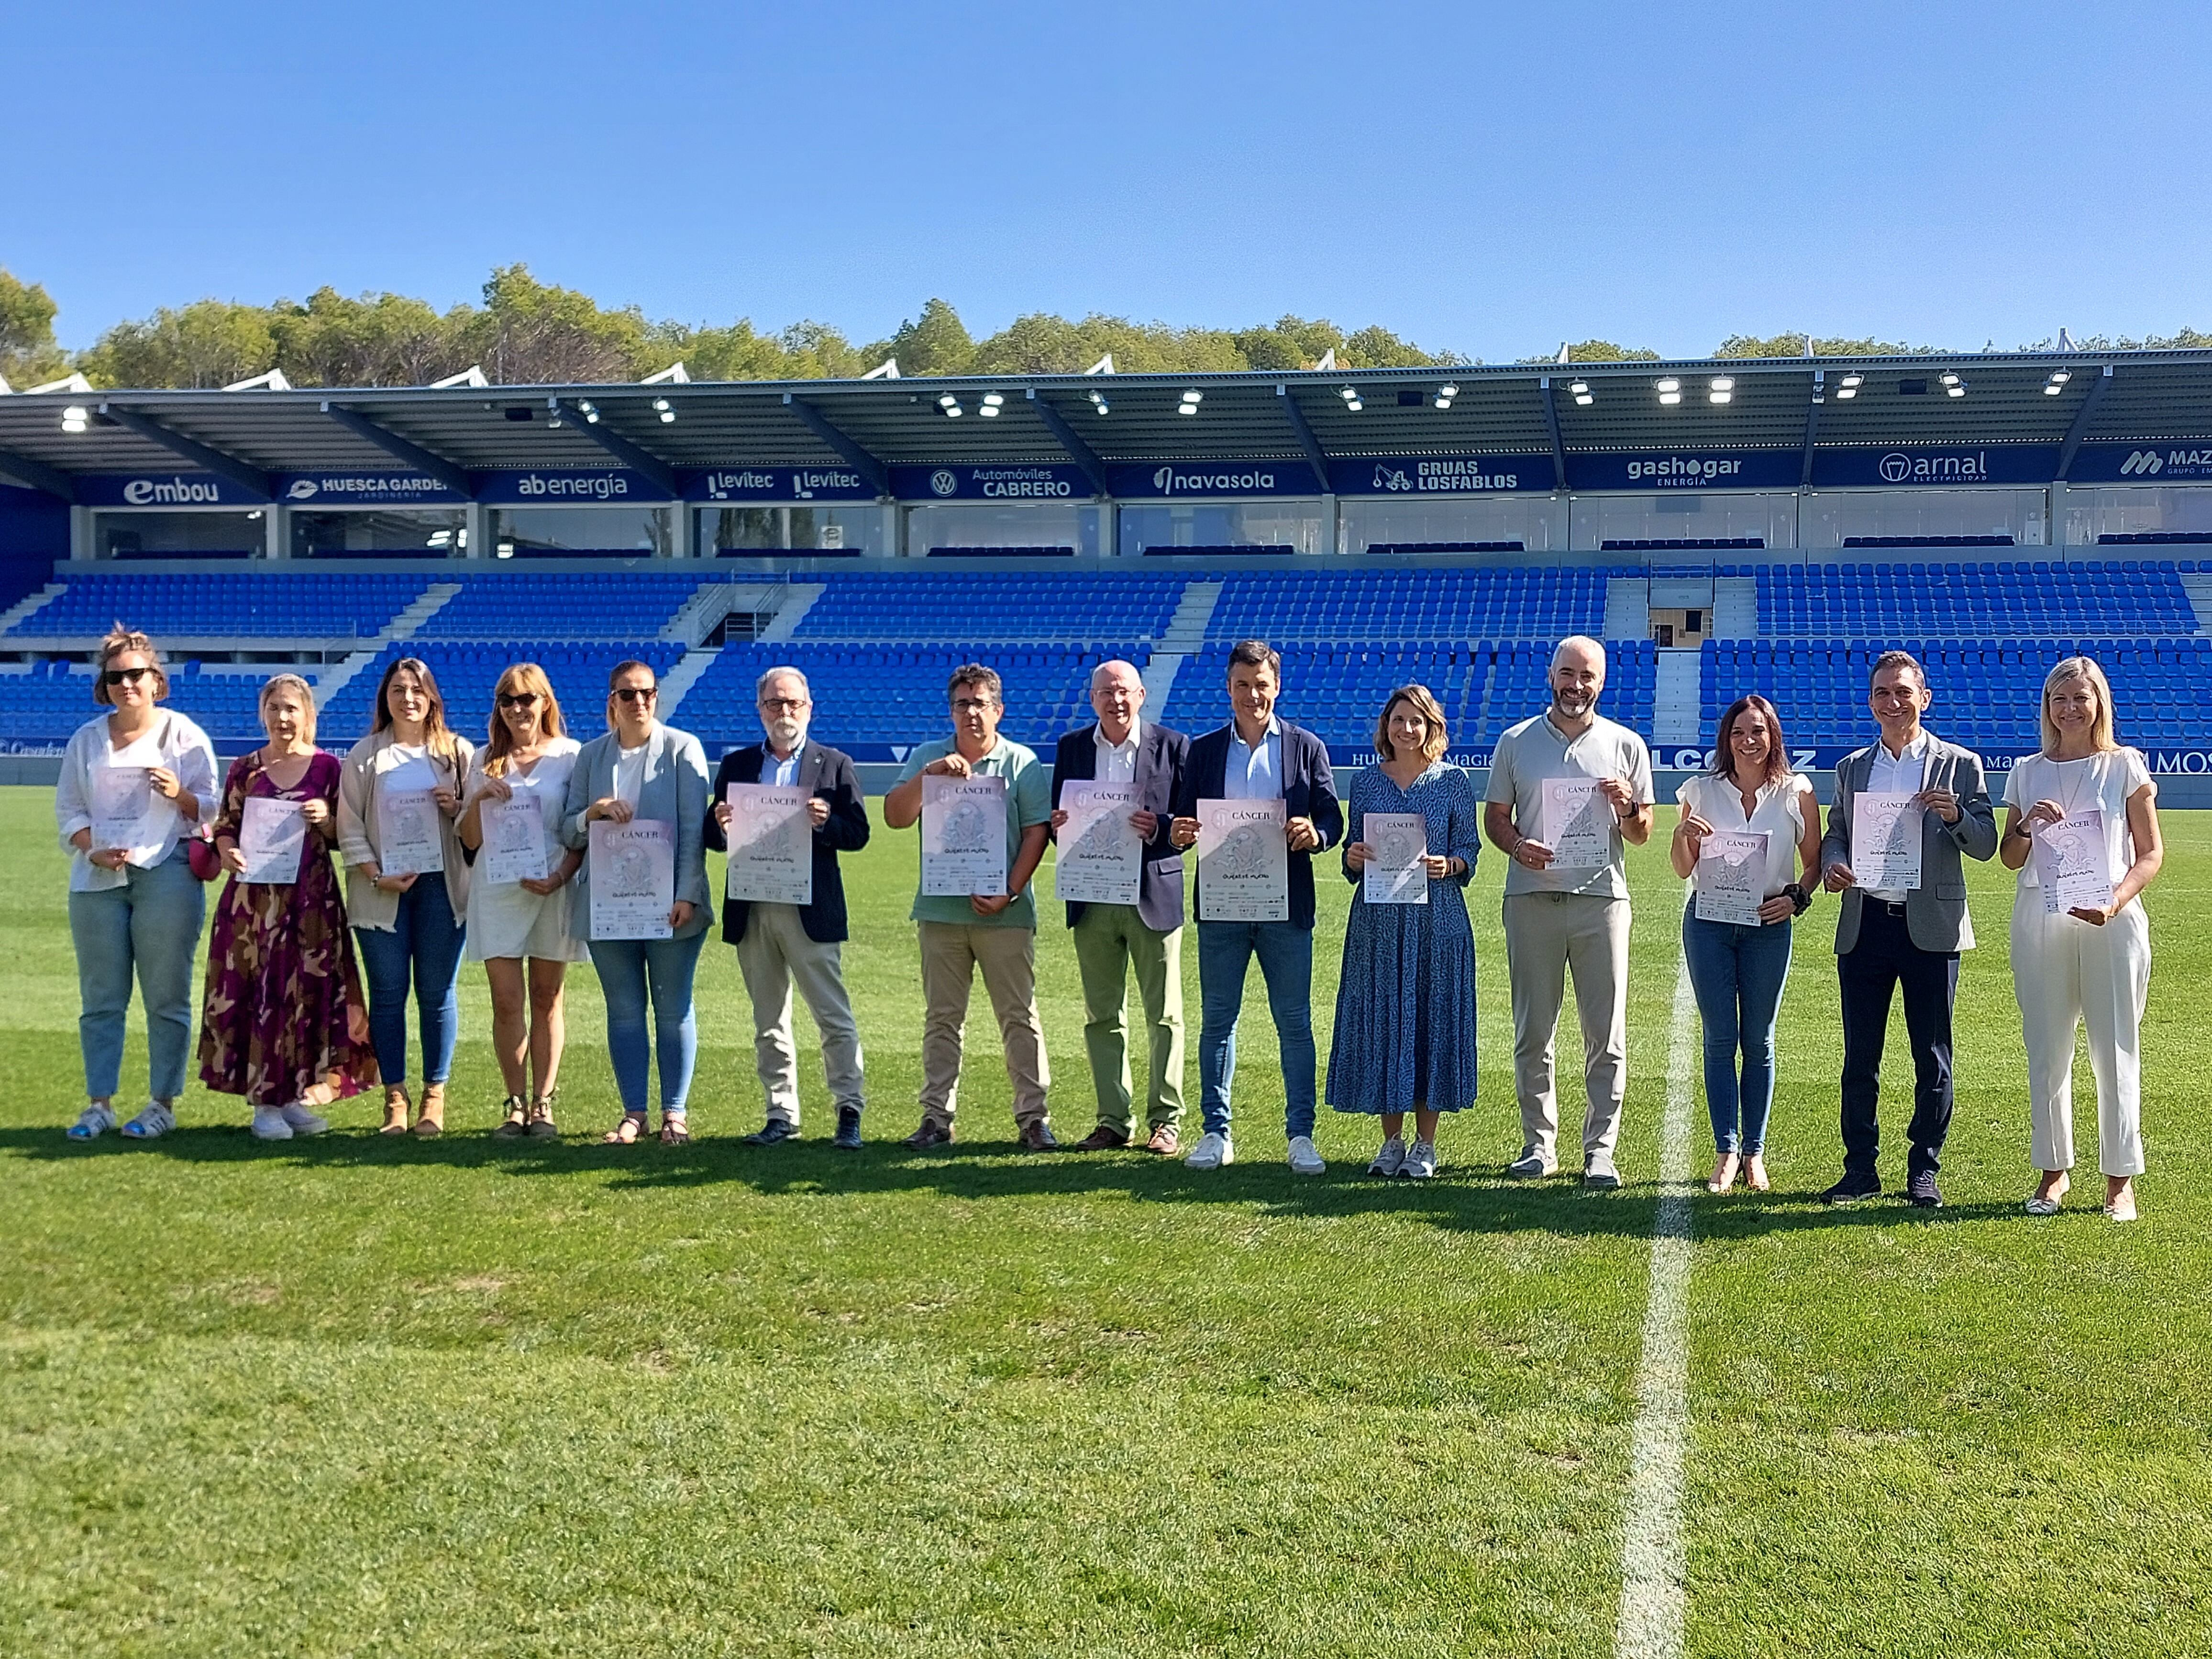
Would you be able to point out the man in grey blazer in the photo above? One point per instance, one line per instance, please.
(1888, 939)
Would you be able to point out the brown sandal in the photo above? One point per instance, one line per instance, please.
(514, 1118)
(395, 1108)
(627, 1132)
(430, 1117)
(675, 1130)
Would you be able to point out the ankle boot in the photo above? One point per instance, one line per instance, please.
(430, 1119)
(395, 1111)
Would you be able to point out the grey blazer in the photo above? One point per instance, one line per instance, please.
(674, 792)
(1935, 911)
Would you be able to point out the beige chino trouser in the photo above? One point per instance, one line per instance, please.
(774, 954)
(1110, 940)
(1549, 935)
(950, 954)
(2068, 974)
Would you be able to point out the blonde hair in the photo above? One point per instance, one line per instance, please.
(120, 640)
(1424, 704)
(293, 683)
(2100, 729)
(500, 741)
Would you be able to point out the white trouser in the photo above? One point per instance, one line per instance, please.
(773, 952)
(2068, 972)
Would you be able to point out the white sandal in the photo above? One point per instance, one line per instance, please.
(154, 1121)
(95, 1121)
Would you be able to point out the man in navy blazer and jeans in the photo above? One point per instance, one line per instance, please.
(1112, 939)
(778, 944)
(1259, 756)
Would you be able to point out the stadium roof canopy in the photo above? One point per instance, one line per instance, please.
(1095, 423)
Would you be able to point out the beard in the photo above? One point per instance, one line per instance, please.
(1575, 703)
(786, 734)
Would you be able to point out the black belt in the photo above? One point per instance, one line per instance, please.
(1888, 908)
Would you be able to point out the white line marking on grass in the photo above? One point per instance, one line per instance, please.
(1653, 1562)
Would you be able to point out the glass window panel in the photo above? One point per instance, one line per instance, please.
(793, 529)
(1831, 515)
(1047, 523)
(1707, 515)
(1297, 524)
(179, 535)
(1538, 523)
(424, 534)
(2093, 512)
(525, 531)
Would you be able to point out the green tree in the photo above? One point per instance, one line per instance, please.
(1376, 347)
(384, 339)
(29, 352)
(209, 342)
(935, 343)
(532, 334)
(2188, 339)
(1794, 345)
(1601, 351)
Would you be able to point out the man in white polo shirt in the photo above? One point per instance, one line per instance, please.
(1564, 920)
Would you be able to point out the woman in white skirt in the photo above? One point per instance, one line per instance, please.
(518, 923)
(2086, 962)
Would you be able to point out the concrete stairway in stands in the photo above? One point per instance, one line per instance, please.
(1184, 636)
(677, 682)
(1678, 700)
(1627, 608)
(426, 605)
(2198, 584)
(24, 607)
(798, 599)
(1735, 608)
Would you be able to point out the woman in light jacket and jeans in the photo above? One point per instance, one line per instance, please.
(409, 925)
(1737, 970)
(134, 787)
(643, 770)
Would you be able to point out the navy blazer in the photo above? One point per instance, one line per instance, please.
(1161, 756)
(828, 774)
(1309, 791)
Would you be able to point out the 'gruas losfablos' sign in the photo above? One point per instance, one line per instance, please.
(1439, 475)
(777, 483)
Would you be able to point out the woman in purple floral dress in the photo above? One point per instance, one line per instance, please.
(285, 1023)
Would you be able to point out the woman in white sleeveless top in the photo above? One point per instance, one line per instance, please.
(2082, 963)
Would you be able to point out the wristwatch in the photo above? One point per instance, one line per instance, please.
(1800, 900)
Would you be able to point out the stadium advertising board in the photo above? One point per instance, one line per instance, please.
(320, 491)
(1439, 475)
(2184, 460)
(164, 490)
(581, 486)
(1688, 468)
(1000, 483)
(1179, 480)
(1949, 466)
(777, 483)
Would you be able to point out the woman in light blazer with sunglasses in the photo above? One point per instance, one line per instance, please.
(644, 771)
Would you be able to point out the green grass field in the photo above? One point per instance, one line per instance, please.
(350, 1397)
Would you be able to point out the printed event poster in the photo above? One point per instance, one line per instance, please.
(1243, 861)
(407, 842)
(272, 837)
(2071, 863)
(963, 837)
(513, 847)
(1732, 877)
(771, 845)
(1885, 841)
(1396, 874)
(1102, 858)
(1578, 825)
(127, 813)
(632, 879)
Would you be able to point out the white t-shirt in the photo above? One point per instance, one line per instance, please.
(1777, 812)
(2104, 781)
(629, 771)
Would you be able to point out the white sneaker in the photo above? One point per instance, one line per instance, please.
(269, 1124)
(1420, 1161)
(95, 1121)
(1213, 1152)
(154, 1121)
(1532, 1165)
(1305, 1157)
(303, 1122)
(1390, 1159)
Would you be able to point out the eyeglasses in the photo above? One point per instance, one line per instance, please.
(517, 699)
(124, 676)
(637, 693)
(969, 705)
(776, 705)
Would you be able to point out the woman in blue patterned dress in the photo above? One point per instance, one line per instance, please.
(1405, 996)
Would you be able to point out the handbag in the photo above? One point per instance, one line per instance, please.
(200, 853)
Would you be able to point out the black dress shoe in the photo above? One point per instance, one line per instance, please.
(1921, 1192)
(849, 1129)
(1851, 1189)
(930, 1133)
(769, 1133)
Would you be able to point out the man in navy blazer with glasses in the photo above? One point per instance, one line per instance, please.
(1259, 756)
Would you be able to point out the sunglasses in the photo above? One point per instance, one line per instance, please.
(124, 676)
(637, 693)
(517, 699)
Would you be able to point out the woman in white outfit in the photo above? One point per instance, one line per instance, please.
(518, 928)
(2086, 964)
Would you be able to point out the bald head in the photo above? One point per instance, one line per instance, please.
(1117, 692)
(1577, 676)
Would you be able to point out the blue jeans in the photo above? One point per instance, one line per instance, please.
(629, 968)
(1225, 949)
(425, 943)
(151, 925)
(1738, 974)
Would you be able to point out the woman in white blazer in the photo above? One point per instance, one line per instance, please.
(643, 772)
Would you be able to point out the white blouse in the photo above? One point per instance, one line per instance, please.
(1777, 811)
(2104, 781)
(181, 747)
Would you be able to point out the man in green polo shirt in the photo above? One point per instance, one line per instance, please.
(995, 933)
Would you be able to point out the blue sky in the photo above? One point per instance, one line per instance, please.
(1490, 179)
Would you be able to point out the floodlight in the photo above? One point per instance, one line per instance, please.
(666, 415)
(1851, 381)
(989, 411)
(1670, 397)
(1194, 397)
(2060, 376)
(953, 413)
(1580, 388)
(993, 399)
(1950, 377)
(1723, 383)
(948, 401)
(1718, 397)
(2051, 389)
(1846, 389)
(1670, 384)
(1186, 407)
(1955, 387)
(1583, 400)
(1347, 394)
(1442, 402)
(75, 418)
(660, 405)
(1448, 390)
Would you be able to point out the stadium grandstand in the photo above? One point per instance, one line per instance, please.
(1724, 526)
